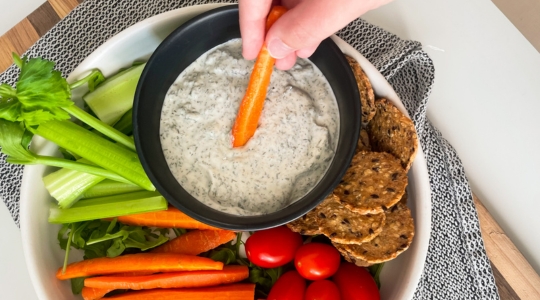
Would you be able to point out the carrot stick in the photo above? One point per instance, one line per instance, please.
(188, 279)
(89, 293)
(239, 291)
(155, 262)
(253, 102)
(196, 242)
(170, 218)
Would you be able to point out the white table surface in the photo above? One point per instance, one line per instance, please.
(485, 101)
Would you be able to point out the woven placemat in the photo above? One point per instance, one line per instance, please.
(456, 265)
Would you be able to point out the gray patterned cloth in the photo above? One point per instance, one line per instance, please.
(456, 267)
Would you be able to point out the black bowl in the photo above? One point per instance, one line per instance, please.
(178, 51)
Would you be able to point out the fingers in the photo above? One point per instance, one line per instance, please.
(310, 22)
(306, 52)
(252, 25)
(286, 62)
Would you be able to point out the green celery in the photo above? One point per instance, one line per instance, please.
(14, 141)
(67, 186)
(96, 149)
(101, 127)
(108, 207)
(114, 97)
(125, 124)
(109, 188)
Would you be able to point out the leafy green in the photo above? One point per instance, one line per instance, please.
(41, 94)
(263, 278)
(77, 285)
(375, 271)
(100, 238)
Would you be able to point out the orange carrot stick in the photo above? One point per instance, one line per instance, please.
(188, 279)
(155, 262)
(170, 218)
(196, 242)
(253, 102)
(89, 293)
(239, 291)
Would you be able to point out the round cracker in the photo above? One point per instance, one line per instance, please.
(349, 257)
(344, 226)
(306, 224)
(396, 237)
(393, 132)
(374, 182)
(363, 142)
(367, 97)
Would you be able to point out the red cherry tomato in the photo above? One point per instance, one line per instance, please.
(322, 290)
(290, 286)
(355, 283)
(273, 247)
(315, 261)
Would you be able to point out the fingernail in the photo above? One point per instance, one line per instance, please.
(278, 49)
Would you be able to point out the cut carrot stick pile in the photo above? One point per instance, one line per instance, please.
(188, 279)
(196, 242)
(252, 104)
(239, 291)
(142, 262)
(89, 293)
(170, 218)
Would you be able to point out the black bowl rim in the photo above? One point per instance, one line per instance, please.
(229, 221)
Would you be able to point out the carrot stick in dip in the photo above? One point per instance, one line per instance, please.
(188, 279)
(170, 218)
(239, 291)
(155, 262)
(196, 242)
(253, 102)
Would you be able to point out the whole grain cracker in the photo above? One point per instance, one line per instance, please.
(363, 142)
(306, 224)
(367, 97)
(374, 182)
(393, 132)
(349, 257)
(344, 226)
(396, 237)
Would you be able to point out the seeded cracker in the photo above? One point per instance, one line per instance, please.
(396, 237)
(393, 132)
(344, 226)
(374, 182)
(306, 224)
(363, 142)
(367, 97)
(349, 257)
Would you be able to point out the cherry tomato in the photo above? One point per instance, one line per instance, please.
(290, 286)
(315, 261)
(322, 290)
(273, 247)
(355, 283)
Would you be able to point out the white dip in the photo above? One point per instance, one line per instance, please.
(289, 153)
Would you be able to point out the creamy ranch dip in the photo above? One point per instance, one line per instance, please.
(289, 153)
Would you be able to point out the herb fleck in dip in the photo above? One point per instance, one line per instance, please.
(289, 153)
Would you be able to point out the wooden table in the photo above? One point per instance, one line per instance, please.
(515, 278)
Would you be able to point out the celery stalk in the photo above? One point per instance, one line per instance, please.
(108, 207)
(104, 153)
(114, 97)
(105, 129)
(67, 186)
(109, 188)
(125, 124)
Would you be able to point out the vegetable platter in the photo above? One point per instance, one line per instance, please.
(135, 44)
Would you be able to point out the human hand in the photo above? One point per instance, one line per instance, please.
(298, 32)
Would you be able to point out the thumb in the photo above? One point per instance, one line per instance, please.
(310, 22)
